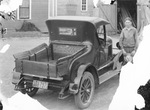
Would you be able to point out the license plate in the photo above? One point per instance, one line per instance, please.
(40, 84)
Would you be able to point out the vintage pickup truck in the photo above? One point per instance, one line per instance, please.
(77, 59)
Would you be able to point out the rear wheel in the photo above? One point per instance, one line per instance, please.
(24, 88)
(86, 91)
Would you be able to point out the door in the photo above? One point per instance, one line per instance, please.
(109, 12)
(102, 53)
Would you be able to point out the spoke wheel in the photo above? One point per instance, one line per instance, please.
(86, 91)
(31, 91)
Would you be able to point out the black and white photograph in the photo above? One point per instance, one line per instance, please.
(74, 54)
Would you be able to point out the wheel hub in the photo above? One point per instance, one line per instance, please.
(87, 90)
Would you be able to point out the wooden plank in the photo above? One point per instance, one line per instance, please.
(40, 68)
(22, 55)
(109, 12)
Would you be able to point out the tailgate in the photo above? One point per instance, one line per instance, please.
(39, 68)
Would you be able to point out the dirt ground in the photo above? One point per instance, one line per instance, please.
(103, 95)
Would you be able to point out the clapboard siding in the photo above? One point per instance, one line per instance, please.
(61, 7)
(40, 13)
(12, 24)
(73, 7)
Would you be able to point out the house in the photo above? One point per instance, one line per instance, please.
(37, 11)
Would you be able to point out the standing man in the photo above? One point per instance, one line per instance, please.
(1, 27)
(128, 40)
(1, 30)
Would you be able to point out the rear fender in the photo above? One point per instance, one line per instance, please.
(73, 87)
(16, 77)
(17, 80)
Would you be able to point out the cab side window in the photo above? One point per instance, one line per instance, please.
(100, 32)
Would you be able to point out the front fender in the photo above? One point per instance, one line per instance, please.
(117, 62)
(73, 87)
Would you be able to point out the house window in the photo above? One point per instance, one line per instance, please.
(24, 11)
(83, 5)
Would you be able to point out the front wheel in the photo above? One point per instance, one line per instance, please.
(85, 94)
(24, 88)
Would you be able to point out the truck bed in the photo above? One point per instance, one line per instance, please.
(47, 61)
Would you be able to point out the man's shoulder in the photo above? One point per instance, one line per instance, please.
(124, 29)
(133, 28)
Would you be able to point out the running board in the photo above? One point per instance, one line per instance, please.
(106, 65)
(106, 76)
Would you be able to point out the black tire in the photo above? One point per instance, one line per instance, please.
(118, 46)
(86, 91)
(1, 105)
(31, 91)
